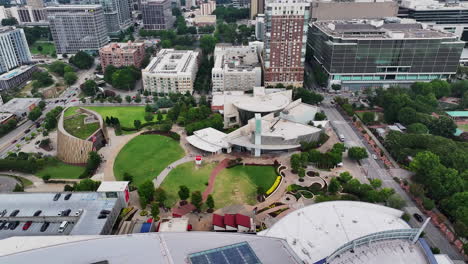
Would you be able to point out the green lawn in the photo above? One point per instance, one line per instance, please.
(61, 170)
(146, 156)
(126, 114)
(463, 127)
(48, 48)
(76, 127)
(238, 185)
(188, 174)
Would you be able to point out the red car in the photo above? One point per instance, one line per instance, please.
(27, 225)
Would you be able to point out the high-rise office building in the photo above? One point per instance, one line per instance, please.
(157, 14)
(285, 41)
(354, 9)
(256, 7)
(380, 53)
(117, 13)
(14, 49)
(451, 16)
(77, 27)
(207, 8)
(27, 15)
(241, 3)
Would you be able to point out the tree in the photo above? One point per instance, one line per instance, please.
(154, 210)
(82, 60)
(417, 128)
(42, 105)
(184, 192)
(18, 188)
(87, 185)
(428, 203)
(443, 126)
(345, 177)
(128, 98)
(210, 201)
(395, 201)
(137, 124)
(89, 88)
(296, 162)
(137, 98)
(160, 196)
(336, 87)
(128, 177)
(35, 114)
(368, 117)
(375, 183)
(197, 199)
(319, 116)
(334, 186)
(146, 192)
(207, 44)
(58, 67)
(46, 177)
(301, 172)
(160, 116)
(417, 189)
(70, 78)
(464, 100)
(9, 22)
(149, 117)
(357, 153)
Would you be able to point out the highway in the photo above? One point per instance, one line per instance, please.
(376, 170)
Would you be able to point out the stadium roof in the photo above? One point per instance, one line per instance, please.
(316, 231)
(187, 247)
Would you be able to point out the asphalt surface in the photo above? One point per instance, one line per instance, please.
(7, 184)
(375, 170)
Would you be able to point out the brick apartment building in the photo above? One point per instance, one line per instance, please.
(122, 54)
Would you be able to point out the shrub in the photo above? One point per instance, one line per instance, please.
(428, 204)
(143, 213)
(405, 217)
(46, 178)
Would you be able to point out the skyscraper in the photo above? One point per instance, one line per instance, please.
(256, 7)
(35, 3)
(14, 49)
(157, 14)
(116, 13)
(285, 41)
(77, 27)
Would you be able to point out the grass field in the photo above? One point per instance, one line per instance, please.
(48, 48)
(463, 127)
(188, 174)
(61, 171)
(146, 156)
(238, 185)
(126, 114)
(76, 127)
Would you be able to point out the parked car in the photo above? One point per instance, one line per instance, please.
(57, 196)
(3, 224)
(78, 213)
(45, 226)
(105, 211)
(102, 216)
(27, 225)
(14, 225)
(418, 217)
(14, 141)
(14, 213)
(66, 212)
(22, 138)
(3, 213)
(37, 213)
(27, 131)
(67, 197)
(374, 156)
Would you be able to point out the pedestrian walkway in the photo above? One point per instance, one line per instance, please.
(160, 178)
(209, 189)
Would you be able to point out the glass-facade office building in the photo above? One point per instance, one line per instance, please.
(358, 55)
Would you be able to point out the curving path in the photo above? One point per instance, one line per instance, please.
(168, 169)
(221, 166)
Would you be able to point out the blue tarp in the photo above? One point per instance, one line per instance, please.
(145, 227)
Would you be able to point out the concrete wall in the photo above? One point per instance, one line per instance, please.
(71, 149)
(352, 10)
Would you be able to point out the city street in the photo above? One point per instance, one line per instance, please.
(376, 170)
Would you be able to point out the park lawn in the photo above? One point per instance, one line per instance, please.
(48, 48)
(188, 174)
(238, 185)
(145, 156)
(60, 170)
(76, 127)
(125, 114)
(463, 127)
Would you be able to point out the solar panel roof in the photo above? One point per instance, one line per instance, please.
(240, 253)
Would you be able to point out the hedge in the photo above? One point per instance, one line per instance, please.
(274, 186)
(28, 166)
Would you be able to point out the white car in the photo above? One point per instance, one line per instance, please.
(78, 213)
(374, 156)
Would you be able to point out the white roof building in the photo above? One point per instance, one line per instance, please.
(20, 106)
(316, 238)
(209, 139)
(173, 225)
(236, 68)
(171, 71)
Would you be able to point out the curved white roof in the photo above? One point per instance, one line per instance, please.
(267, 103)
(316, 231)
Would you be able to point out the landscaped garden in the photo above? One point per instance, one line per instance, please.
(43, 48)
(145, 156)
(77, 127)
(60, 170)
(239, 184)
(188, 174)
(125, 114)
